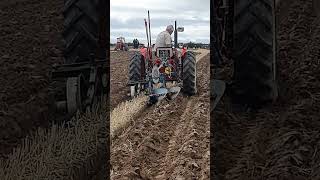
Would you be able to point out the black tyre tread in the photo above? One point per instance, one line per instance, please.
(135, 67)
(81, 29)
(254, 51)
(189, 74)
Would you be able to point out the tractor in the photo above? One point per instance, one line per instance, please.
(164, 72)
(80, 83)
(244, 32)
(121, 44)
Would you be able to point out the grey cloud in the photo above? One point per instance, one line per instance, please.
(188, 13)
(155, 22)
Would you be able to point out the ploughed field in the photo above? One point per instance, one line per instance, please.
(166, 141)
(30, 44)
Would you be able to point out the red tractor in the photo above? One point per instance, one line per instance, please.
(244, 32)
(152, 72)
(121, 44)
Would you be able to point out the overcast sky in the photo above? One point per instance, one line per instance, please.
(127, 19)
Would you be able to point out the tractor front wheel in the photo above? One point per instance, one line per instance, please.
(189, 74)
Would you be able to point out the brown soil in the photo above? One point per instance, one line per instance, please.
(167, 141)
(119, 63)
(30, 43)
(282, 141)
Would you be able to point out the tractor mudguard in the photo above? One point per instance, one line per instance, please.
(143, 52)
(183, 52)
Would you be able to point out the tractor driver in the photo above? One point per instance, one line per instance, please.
(164, 38)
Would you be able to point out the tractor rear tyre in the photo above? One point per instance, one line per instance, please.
(254, 52)
(83, 35)
(81, 29)
(136, 68)
(189, 74)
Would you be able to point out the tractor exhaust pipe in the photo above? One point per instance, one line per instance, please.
(146, 25)
(150, 35)
(175, 35)
(148, 32)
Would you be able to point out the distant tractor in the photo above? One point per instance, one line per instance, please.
(152, 72)
(121, 44)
